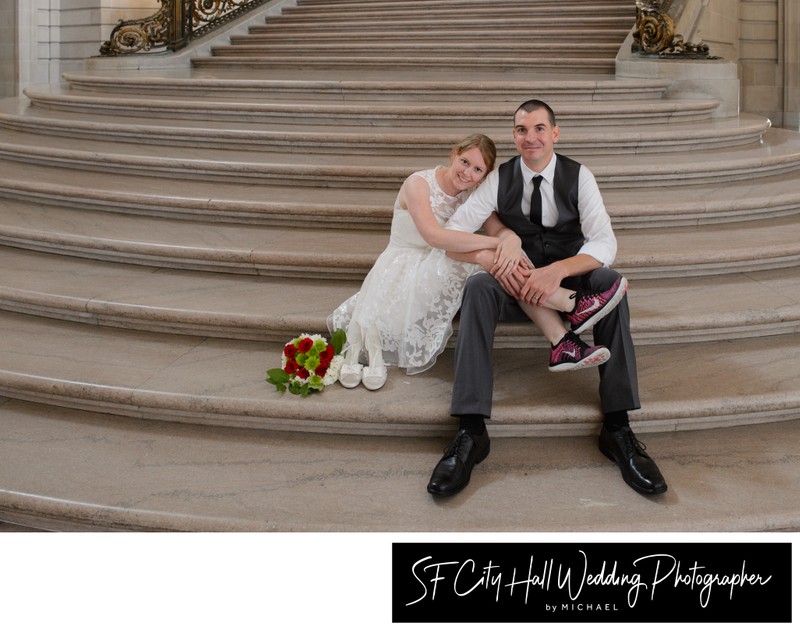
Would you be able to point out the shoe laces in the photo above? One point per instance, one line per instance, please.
(571, 342)
(634, 445)
(458, 445)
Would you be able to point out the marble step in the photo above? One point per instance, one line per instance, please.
(210, 381)
(358, 87)
(409, 49)
(541, 24)
(244, 307)
(438, 33)
(273, 251)
(296, 138)
(71, 470)
(516, 65)
(394, 115)
(432, 12)
(365, 209)
(460, 6)
(779, 153)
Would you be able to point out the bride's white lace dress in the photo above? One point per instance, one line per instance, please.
(411, 294)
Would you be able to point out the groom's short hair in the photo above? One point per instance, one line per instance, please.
(535, 104)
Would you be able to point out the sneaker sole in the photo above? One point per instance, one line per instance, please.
(600, 356)
(607, 308)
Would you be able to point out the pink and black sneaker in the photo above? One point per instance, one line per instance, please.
(572, 353)
(591, 306)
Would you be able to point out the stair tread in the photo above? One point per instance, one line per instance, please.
(779, 150)
(144, 82)
(221, 382)
(245, 307)
(295, 136)
(487, 107)
(12, 112)
(269, 249)
(122, 474)
(275, 204)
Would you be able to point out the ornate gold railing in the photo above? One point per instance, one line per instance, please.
(655, 33)
(174, 25)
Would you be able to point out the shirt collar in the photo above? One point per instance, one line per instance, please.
(548, 173)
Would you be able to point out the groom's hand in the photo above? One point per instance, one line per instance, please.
(513, 280)
(542, 283)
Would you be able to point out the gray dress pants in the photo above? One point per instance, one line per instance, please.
(485, 303)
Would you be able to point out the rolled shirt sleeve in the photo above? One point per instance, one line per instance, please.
(469, 217)
(600, 242)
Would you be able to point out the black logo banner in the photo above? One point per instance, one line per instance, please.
(597, 582)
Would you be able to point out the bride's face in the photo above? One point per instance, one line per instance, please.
(467, 169)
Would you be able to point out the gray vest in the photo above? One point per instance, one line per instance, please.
(543, 245)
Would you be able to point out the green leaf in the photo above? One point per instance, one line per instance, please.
(277, 376)
(338, 340)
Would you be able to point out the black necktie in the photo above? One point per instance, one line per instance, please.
(536, 201)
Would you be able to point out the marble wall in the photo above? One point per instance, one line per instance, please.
(762, 37)
(8, 48)
(41, 39)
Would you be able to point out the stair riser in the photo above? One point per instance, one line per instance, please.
(133, 317)
(363, 217)
(351, 267)
(377, 178)
(252, 414)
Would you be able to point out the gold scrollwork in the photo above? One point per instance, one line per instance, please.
(175, 24)
(655, 33)
(655, 30)
(133, 36)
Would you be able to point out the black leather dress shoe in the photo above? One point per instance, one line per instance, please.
(638, 469)
(454, 469)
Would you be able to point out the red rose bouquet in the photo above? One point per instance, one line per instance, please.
(308, 364)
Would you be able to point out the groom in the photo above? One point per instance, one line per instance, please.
(554, 205)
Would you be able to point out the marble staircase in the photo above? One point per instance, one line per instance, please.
(163, 233)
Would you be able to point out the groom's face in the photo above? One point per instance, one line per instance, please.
(535, 138)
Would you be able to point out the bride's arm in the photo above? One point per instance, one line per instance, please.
(415, 197)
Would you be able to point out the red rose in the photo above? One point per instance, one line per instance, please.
(291, 367)
(320, 370)
(305, 344)
(302, 373)
(289, 350)
(327, 355)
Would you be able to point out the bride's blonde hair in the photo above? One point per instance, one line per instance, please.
(484, 144)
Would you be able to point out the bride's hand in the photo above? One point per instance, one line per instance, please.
(507, 255)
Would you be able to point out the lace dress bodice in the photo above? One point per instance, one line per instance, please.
(409, 298)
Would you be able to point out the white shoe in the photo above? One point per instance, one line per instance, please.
(374, 377)
(350, 375)
(375, 374)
